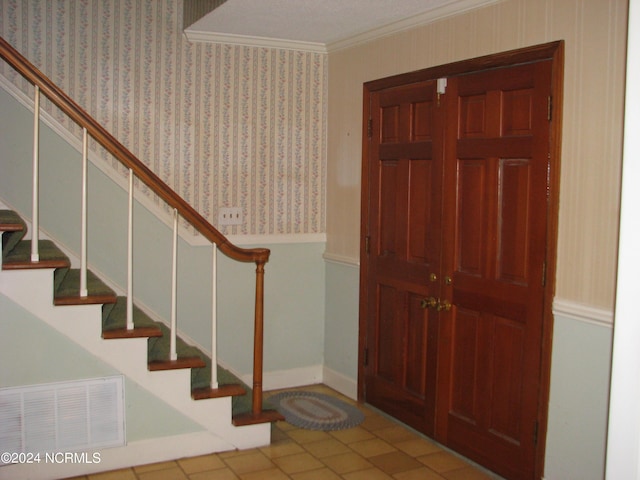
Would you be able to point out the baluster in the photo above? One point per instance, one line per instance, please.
(214, 319)
(35, 252)
(130, 256)
(83, 241)
(173, 355)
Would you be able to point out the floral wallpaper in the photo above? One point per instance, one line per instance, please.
(223, 125)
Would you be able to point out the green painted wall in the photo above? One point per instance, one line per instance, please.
(341, 327)
(579, 400)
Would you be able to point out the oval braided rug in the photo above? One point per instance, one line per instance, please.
(316, 411)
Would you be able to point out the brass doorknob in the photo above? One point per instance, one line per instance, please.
(430, 302)
(444, 305)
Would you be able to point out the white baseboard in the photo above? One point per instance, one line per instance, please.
(340, 382)
(294, 377)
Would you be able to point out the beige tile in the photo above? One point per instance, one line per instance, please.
(422, 473)
(371, 448)
(280, 434)
(124, 474)
(322, 474)
(271, 474)
(236, 453)
(395, 434)
(173, 473)
(284, 426)
(469, 473)
(395, 462)
(443, 462)
(300, 462)
(221, 474)
(418, 447)
(307, 436)
(376, 422)
(370, 474)
(351, 435)
(345, 463)
(379, 448)
(367, 410)
(251, 462)
(200, 464)
(325, 448)
(150, 467)
(281, 449)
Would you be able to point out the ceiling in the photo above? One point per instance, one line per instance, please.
(318, 25)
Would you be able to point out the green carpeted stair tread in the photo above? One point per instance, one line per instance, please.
(67, 289)
(114, 316)
(11, 221)
(114, 322)
(20, 256)
(158, 353)
(13, 228)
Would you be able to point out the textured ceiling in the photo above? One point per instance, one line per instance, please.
(320, 22)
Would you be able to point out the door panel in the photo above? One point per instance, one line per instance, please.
(405, 246)
(497, 165)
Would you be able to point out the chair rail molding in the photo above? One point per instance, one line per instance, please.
(583, 313)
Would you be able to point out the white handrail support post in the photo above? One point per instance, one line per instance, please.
(35, 224)
(130, 256)
(173, 355)
(214, 319)
(83, 241)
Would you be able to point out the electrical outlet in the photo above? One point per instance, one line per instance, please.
(230, 216)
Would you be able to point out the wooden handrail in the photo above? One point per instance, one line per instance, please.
(120, 152)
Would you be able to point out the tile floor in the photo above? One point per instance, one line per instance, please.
(379, 448)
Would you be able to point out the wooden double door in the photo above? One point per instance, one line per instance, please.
(456, 204)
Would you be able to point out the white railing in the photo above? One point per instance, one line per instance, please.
(130, 255)
(83, 240)
(214, 315)
(174, 288)
(35, 219)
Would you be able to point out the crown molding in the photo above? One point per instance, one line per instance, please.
(250, 41)
(453, 8)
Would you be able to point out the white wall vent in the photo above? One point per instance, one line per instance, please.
(62, 417)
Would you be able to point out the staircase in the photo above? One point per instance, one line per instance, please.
(38, 276)
(97, 321)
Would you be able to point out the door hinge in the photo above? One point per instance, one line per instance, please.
(367, 244)
(535, 433)
(365, 357)
(370, 128)
(549, 107)
(544, 273)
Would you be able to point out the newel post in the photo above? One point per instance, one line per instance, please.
(258, 340)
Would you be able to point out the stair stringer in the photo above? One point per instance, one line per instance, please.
(32, 289)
